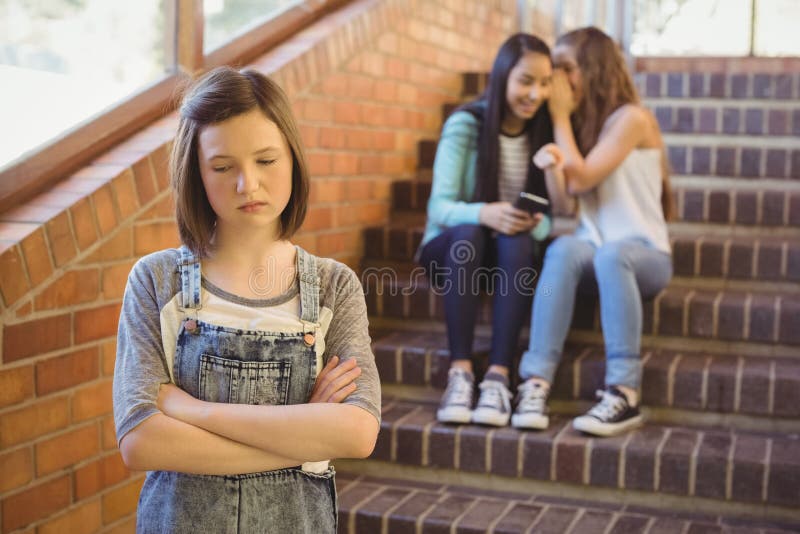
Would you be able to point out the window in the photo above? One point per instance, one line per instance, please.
(78, 76)
(65, 61)
(225, 19)
(715, 27)
(776, 28)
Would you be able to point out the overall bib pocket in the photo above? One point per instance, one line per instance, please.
(238, 382)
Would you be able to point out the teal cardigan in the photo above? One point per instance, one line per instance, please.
(454, 172)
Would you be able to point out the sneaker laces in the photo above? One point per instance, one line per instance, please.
(609, 407)
(459, 388)
(532, 397)
(495, 394)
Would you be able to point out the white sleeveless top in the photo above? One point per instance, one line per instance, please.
(627, 204)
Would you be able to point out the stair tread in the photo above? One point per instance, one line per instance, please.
(414, 221)
(682, 310)
(685, 380)
(687, 182)
(729, 255)
(670, 459)
(677, 286)
(764, 204)
(367, 504)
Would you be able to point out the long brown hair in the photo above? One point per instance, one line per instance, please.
(606, 85)
(221, 94)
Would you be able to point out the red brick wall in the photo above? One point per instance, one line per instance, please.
(366, 82)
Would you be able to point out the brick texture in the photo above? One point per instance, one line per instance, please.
(679, 461)
(371, 504)
(35, 503)
(67, 449)
(16, 385)
(61, 372)
(369, 96)
(363, 96)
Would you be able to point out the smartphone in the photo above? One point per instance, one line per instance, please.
(531, 203)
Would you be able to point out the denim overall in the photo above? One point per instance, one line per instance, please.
(219, 364)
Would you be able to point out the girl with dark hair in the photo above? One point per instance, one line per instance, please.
(609, 150)
(475, 232)
(243, 362)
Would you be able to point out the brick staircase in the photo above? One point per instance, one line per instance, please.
(721, 354)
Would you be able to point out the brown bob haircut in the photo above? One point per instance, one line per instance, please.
(218, 95)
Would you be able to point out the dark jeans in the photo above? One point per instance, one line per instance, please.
(466, 259)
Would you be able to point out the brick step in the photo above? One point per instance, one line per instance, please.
(726, 117)
(725, 202)
(743, 157)
(369, 505)
(725, 466)
(714, 117)
(711, 230)
(730, 86)
(683, 181)
(756, 259)
(679, 380)
(371, 267)
(758, 86)
(725, 156)
(769, 318)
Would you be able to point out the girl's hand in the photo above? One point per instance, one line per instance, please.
(336, 381)
(561, 102)
(506, 219)
(548, 157)
(534, 221)
(175, 402)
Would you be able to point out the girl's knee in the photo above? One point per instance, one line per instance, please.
(467, 232)
(566, 248)
(611, 256)
(466, 244)
(519, 246)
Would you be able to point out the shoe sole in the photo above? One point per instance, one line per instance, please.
(532, 422)
(590, 425)
(489, 417)
(454, 415)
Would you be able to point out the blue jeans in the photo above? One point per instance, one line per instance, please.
(625, 272)
(465, 259)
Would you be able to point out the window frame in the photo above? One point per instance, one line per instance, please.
(57, 158)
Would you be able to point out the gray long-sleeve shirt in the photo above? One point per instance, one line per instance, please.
(151, 317)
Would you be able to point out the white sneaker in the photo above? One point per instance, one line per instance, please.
(456, 404)
(531, 409)
(494, 404)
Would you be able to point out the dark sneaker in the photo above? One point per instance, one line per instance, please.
(531, 409)
(494, 404)
(456, 404)
(612, 415)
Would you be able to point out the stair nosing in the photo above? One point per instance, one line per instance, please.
(579, 336)
(353, 476)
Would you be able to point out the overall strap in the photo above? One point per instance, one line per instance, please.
(189, 265)
(309, 289)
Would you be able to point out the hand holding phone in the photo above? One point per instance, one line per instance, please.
(531, 203)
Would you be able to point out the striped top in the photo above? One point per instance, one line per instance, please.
(514, 160)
